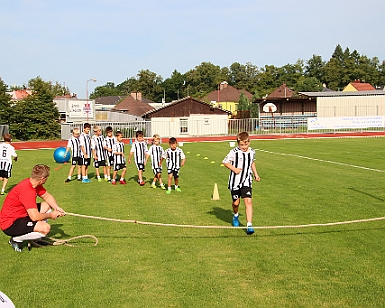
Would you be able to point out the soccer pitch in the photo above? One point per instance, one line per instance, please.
(302, 182)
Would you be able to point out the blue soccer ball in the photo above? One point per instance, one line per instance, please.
(59, 157)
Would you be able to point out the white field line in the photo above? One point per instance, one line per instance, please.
(323, 161)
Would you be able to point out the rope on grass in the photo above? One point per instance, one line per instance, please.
(227, 227)
(49, 241)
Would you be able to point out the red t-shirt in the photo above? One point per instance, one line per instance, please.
(21, 198)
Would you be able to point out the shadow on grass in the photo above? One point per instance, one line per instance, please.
(56, 229)
(365, 193)
(222, 214)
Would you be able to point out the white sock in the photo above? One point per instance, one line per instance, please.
(176, 186)
(98, 177)
(236, 215)
(169, 188)
(249, 224)
(29, 236)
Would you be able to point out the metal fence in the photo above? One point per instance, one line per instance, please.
(254, 126)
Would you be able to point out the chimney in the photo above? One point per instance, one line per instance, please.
(223, 85)
(137, 95)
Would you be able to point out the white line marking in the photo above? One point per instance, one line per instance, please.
(323, 161)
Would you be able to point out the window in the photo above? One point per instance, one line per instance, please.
(183, 123)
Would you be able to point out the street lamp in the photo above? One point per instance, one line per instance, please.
(87, 106)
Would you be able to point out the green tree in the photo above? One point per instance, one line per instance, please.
(108, 89)
(314, 68)
(173, 86)
(5, 104)
(307, 84)
(150, 84)
(36, 116)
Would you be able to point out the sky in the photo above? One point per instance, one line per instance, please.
(73, 41)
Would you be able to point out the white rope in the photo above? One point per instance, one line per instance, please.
(228, 227)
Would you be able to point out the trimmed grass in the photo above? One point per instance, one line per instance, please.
(302, 182)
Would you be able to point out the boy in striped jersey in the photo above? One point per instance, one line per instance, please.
(241, 162)
(175, 159)
(98, 152)
(109, 141)
(6, 154)
(119, 160)
(85, 151)
(156, 151)
(74, 145)
(140, 152)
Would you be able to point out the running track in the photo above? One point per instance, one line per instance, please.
(53, 144)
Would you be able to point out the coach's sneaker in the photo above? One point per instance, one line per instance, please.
(235, 222)
(178, 189)
(249, 230)
(17, 246)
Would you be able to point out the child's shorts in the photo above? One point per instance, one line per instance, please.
(243, 192)
(99, 163)
(140, 166)
(76, 161)
(118, 167)
(174, 172)
(5, 174)
(85, 161)
(157, 170)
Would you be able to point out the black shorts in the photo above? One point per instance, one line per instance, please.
(140, 167)
(5, 174)
(110, 160)
(243, 192)
(85, 161)
(21, 226)
(99, 163)
(157, 170)
(175, 173)
(118, 167)
(75, 161)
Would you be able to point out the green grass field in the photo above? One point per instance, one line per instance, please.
(302, 182)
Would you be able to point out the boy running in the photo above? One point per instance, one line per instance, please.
(7, 152)
(241, 162)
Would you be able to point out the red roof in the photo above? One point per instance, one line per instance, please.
(281, 92)
(362, 86)
(227, 93)
(132, 106)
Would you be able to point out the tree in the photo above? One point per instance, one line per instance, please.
(108, 89)
(173, 86)
(314, 68)
(5, 104)
(36, 116)
(150, 84)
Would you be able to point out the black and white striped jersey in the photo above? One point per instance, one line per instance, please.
(85, 141)
(109, 143)
(173, 158)
(242, 160)
(118, 147)
(6, 154)
(74, 145)
(140, 150)
(156, 152)
(97, 144)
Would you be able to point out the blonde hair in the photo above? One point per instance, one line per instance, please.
(243, 136)
(40, 171)
(76, 131)
(156, 136)
(96, 129)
